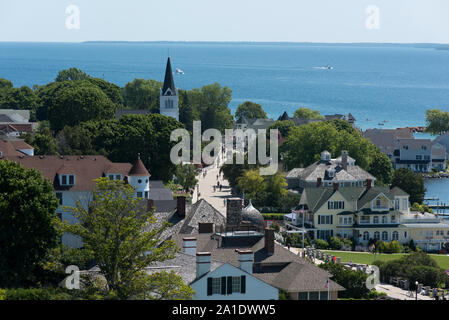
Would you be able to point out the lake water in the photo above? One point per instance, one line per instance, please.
(396, 83)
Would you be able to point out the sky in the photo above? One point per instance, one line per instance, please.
(398, 21)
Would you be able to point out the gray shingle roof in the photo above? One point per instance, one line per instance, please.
(202, 211)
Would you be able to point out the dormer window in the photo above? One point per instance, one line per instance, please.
(115, 176)
(331, 173)
(405, 147)
(424, 147)
(67, 180)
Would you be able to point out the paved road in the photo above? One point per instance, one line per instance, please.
(206, 190)
(398, 293)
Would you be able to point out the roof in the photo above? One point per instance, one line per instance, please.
(139, 169)
(292, 270)
(169, 83)
(183, 265)
(294, 173)
(86, 168)
(16, 127)
(426, 225)
(386, 139)
(10, 148)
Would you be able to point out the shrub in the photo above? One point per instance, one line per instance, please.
(321, 244)
(2, 294)
(335, 243)
(36, 294)
(353, 281)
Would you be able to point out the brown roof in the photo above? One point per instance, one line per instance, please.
(139, 169)
(85, 169)
(19, 127)
(12, 147)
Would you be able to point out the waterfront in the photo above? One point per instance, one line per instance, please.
(374, 82)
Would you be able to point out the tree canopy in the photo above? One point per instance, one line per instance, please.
(142, 94)
(71, 74)
(306, 113)
(122, 237)
(27, 222)
(250, 110)
(411, 183)
(437, 121)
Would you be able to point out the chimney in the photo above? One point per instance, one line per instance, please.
(335, 186)
(269, 241)
(233, 213)
(245, 260)
(204, 227)
(189, 246)
(368, 184)
(181, 206)
(318, 182)
(344, 159)
(202, 263)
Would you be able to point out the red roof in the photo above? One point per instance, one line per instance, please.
(139, 169)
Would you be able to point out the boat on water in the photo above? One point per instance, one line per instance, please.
(326, 67)
(381, 123)
(179, 71)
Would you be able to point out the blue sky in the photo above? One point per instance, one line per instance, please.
(230, 20)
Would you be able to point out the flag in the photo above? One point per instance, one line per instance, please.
(327, 283)
(447, 272)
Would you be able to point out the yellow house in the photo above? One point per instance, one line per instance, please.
(368, 213)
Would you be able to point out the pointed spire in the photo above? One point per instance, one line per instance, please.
(168, 80)
(138, 169)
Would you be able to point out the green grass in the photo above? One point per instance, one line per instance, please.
(368, 258)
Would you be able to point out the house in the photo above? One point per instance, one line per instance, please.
(72, 179)
(404, 151)
(14, 123)
(327, 172)
(368, 213)
(15, 129)
(212, 279)
(15, 147)
(11, 115)
(443, 140)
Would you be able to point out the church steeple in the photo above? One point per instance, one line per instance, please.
(169, 95)
(169, 83)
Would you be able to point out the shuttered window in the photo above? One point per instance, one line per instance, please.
(243, 284)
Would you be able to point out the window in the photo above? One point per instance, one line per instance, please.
(325, 234)
(405, 234)
(395, 235)
(404, 204)
(384, 235)
(376, 219)
(426, 157)
(393, 219)
(216, 285)
(302, 295)
(71, 179)
(323, 295)
(325, 219)
(377, 235)
(418, 157)
(396, 204)
(111, 177)
(424, 147)
(236, 285)
(335, 205)
(365, 220)
(366, 235)
(118, 177)
(139, 194)
(146, 194)
(405, 147)
(169, 104)
(314, 295)
(64, 180)
(384, 219)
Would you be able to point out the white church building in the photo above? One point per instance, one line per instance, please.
(169, 98)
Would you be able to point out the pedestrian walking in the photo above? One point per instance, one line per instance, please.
(435, 294)
(221, 186)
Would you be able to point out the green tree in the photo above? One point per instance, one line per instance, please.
(76, 105)
(43, 141)
(253, 184)
(188, 112)
(22, 98)
(284, 127)
(123, 239)
(353, 281)
(71, 74)
(411, 183)
(250, 110)
(275, 189)
(5, 84)
(335, 243)
(381, 167)
(142, 94)
(437, 121)
(306, 113)
(213, 107)
(27, 222)
(77, 140)
(186, 175)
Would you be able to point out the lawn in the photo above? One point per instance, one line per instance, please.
(368, 258)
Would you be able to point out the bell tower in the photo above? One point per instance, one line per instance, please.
(169, 95)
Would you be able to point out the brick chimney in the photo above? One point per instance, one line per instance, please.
(202, 263)
(204, 227)
(233, 213)
(246, 258)
(344, 159)
(318, 182)
(181, 206)
(269, 241)
(189, 245)
(335, 186)
(368, 184)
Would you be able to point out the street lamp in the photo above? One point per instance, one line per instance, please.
(416, 289)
